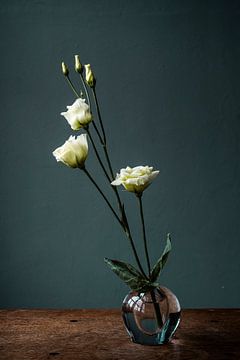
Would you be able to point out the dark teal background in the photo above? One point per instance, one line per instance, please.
(168, 84)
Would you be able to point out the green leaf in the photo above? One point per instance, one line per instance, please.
(161, 261)
(131, 276)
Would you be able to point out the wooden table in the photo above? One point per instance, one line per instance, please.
(100, 334)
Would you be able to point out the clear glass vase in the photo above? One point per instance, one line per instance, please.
(151, 318)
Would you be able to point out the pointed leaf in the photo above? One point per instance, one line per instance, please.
(161, 261)
(131, 276)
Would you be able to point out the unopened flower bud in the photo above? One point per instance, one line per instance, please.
(90, 79)
(78, 65)
(65, 70)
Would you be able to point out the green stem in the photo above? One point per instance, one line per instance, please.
(123, 222)
(104, 141)
(157, 309)
(123, 225)
(124, 219)
(127, 232)
(97, 131)
(139, 196)
(72, 86)
(104, 144)
(97, 154)
(90, 107)
(104, 170)
(99, 114)
(86, 91)
(100, 138)
(108, 160)
(104, 197)
(152, 293)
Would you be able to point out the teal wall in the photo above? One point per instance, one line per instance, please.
(168, 84)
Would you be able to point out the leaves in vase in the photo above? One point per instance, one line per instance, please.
(161, 261)
(131, 276)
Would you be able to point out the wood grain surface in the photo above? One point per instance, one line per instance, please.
(100, 334)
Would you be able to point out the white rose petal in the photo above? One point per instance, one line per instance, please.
(78, 114)
(73, 152)
(135, 179)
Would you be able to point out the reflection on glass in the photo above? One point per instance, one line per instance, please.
(151, 318)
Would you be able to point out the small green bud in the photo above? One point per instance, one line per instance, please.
(78, 65)
(90, 79)
(65, 70)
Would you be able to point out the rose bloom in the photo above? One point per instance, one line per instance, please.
(135, 179)
(78, 114)
(73, 152)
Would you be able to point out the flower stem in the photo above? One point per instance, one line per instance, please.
(104, 197)
(99, 114)
(103, 142)
(123, 221)
(86, 91)
(108, 160)
(152, 292)
(120, 205)
(123, 224)
(104, 169)
(97, 154)
(139, 196)
(72, 86)
(88, 99)
(156, 309)
(128, 234)
(90, 107)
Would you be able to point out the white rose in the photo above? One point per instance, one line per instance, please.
(78, 114)
(73, 152)
(135, 179)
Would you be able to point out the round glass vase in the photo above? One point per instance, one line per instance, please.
(151, 318)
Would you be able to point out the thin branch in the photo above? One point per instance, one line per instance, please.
(97, 154)
(104, 197)
(99, 114)
(126, 229)
(90, 106)
(139, 196)
(72, 86)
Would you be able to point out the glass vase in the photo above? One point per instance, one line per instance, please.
(151, 318)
